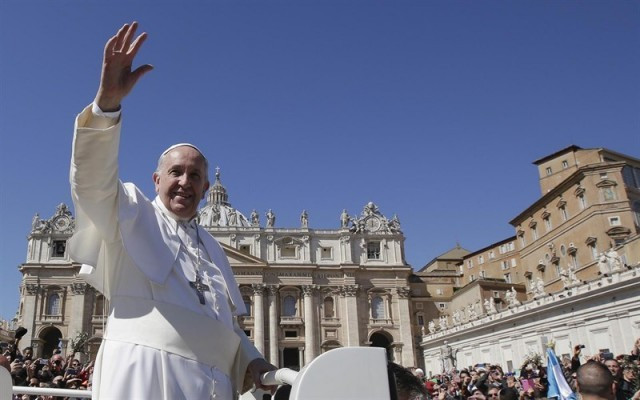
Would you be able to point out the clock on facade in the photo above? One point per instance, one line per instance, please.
(372, 224)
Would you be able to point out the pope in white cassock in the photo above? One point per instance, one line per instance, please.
(171, 331)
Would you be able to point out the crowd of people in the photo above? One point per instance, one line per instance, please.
(54, 372)
(602, 376)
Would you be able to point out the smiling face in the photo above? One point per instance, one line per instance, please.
(181, 180)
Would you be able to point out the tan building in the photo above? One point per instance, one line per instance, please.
(308, 290)
(497, 261)
(590, 203)
(576, 247)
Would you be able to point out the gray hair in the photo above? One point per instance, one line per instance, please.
(164, 153)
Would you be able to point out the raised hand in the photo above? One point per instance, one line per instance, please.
(117, 79)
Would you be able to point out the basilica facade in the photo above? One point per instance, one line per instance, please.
(307, 290)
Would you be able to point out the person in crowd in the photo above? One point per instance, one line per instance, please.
(509, 393)
(408, 385)
(628, 384)
(4, 363)
(493, 393)
(595, 382)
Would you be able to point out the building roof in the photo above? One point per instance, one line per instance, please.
(571, 148)
(455, 254)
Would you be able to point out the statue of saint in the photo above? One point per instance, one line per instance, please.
(512, 297)
(471, 312)
(304, 219)
(232, 217)
(344, 219)
(255, 218)
(603, 265)
(456, 318)
(444, 323)
(615, 263)
(271, 219)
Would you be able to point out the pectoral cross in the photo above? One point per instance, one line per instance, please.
(199, 287)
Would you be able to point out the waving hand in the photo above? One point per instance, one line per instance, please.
(117, 78)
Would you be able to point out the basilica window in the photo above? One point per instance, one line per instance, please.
(247, 304)
(53, 304)
(245, 249)
(288, 247)
(58, 248)
(289, 308)
(614, 221)
(507, 278)
(420, 319)
(326, 253)
(98, 308)
(377, 308)
(287, 251)
(328, 307)
(373, 250)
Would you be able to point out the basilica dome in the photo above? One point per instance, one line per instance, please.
(218, 211)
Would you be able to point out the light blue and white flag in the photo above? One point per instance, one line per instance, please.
(558, 386)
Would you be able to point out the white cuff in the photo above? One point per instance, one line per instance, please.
(98, 112)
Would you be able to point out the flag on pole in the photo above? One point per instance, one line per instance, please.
(558, 386)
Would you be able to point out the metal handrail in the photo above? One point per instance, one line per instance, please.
(52, 392)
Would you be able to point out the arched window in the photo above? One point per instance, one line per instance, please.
(377, 308)
(99, 306)
(328, 307)
(247, 304)
(289, 306)
(53, 304)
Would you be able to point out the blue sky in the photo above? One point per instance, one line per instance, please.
(434, 110)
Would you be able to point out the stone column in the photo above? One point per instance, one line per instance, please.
(258, 318)
(273, 324)
(309, 324)
(404, 315)
(78, 314)
(351, 318)
(345, 249)
(31, 291)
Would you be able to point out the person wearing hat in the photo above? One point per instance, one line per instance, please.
(173, 297)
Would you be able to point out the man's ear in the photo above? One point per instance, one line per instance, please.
(156, 181)
(206, 187)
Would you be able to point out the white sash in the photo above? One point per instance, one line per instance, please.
(173, 329)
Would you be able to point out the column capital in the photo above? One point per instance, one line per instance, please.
(309, 290)
(403, 292)
(32, 288)
(79, 288)
(272, 289)
(258, 288)
(348, 290)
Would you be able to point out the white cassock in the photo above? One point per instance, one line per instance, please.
(160, 341)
